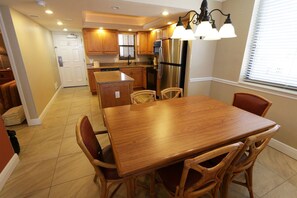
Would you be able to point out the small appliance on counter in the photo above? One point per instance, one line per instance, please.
(96, 64)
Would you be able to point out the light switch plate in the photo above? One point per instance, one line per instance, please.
(117, 94)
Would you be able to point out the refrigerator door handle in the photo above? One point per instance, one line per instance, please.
(160, 66)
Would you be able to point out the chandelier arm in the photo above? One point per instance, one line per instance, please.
(189, 13)
(219, 11)
(194, 21)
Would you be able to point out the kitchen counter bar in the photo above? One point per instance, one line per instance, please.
(119, 66)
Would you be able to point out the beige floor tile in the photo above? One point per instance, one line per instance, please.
(80, 188)
(54, 122)
(276, 161)
(38, 194)
(72, 119)
(293, 180)
(42, 151)
(69, 146)
(71, 167)
(25, 135)
(80, 109)
(264, 180)
(28, 178)
(47, 134)
(70, 130)
(286, 190)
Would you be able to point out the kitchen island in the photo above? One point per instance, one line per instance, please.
(137, 72)
(113, 88)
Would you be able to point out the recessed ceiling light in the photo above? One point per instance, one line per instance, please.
(48, 12)
(165, 13)
(129, 30)
(115, 7)
(65, 29)
(60, 23)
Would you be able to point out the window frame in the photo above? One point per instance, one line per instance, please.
(244, 76)
(134, 37)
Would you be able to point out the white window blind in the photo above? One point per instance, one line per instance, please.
(272, 56)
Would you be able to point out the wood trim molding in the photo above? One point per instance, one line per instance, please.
(6, 172)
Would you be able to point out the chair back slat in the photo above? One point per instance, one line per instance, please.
(143, 96)
(211, 175)
(171, 92)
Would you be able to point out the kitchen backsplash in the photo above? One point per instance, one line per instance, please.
(115, 59)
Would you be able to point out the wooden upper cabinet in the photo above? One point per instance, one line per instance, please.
(144, 43)
(100, 42)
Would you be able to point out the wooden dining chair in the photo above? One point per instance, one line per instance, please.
(171, 92)
(196, 177)
(143, 96)
(245, 160)
(101, 159)
(252, 103)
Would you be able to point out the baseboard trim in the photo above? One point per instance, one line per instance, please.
(201, 79)
(6, 172)
(44, 112)
(284, 148)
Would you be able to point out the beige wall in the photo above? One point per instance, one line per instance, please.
(39, 60)
(228, 63)
(200, 60)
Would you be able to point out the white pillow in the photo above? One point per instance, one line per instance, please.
(14, 115)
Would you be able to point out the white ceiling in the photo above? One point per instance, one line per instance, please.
(76, 14)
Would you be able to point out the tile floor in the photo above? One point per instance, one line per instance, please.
(52, 165)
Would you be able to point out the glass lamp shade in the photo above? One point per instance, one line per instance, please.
(188, 35)
(227, 31)
(178, 32)
(212, 35)
(203, 29)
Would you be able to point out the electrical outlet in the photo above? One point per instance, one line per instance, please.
(117, 94)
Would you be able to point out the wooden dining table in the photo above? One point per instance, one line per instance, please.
(149, 136)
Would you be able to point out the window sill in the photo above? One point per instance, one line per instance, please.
(269, 89)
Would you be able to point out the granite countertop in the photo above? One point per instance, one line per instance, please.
(114, 65)
(111, 77)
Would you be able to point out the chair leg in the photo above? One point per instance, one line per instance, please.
(152, 184)
(95, 178)
(249, 180)
(225, 186)
(104, 193)
(130, 183)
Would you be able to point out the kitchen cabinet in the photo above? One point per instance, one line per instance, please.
(113, 88)
(138, 74)
(92, 81)
(145, 42)
(100, 41)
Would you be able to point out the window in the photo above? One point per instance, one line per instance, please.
(272, 52)
(127, 46)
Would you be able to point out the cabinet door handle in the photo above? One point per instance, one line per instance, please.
(60, 61)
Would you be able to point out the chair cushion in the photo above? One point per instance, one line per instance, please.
(14, 115)
(108, 157)
(171, 176)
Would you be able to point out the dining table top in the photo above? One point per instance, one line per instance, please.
(149, 136)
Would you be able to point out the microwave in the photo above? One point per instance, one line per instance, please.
(157, 46)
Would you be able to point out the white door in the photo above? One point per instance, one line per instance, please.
(70, 57)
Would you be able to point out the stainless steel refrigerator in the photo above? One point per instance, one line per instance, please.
(172, 63)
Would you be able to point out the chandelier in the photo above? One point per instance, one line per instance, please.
(206, 27)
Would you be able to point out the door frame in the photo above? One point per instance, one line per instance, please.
(83, 51)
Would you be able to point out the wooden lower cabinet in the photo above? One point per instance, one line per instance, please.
(113, 88)
(138, 74)
(92, 81)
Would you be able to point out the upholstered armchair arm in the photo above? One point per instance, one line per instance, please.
(100, 132)
(103, 164)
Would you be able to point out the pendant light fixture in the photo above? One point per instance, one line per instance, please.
(206, 28)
